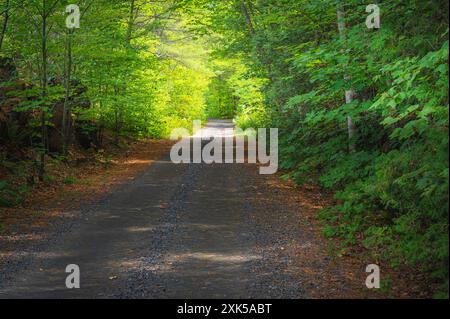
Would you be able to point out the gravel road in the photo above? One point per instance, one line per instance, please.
(176, 231)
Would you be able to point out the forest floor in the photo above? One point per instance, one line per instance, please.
(143, 227)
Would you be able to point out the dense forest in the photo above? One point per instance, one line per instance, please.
(361, 111)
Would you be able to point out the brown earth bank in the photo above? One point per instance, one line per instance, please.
(330, 270)
(322, 269)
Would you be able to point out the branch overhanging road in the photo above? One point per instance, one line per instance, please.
(177, 231)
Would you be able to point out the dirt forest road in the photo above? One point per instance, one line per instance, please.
(176, 231)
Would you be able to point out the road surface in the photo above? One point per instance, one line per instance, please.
(176, 231)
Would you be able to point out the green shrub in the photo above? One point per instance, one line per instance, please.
(69, 180)
(11, 196)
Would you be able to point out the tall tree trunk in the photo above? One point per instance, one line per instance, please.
(67, 119)
(44, 76)
(247, 17)
(131, 18)
(117, 123)
(5, 22)
(66, 109)
(349, 94)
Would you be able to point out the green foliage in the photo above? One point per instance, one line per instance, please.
(236, 92)
(69, 180)
(397, 194)
(143, 76)
(49, 179)
(220, 99)
(11, 195)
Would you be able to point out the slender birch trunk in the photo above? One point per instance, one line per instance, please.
(349, 94)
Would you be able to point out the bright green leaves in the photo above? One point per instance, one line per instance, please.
(417, 97)
(393, 189)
